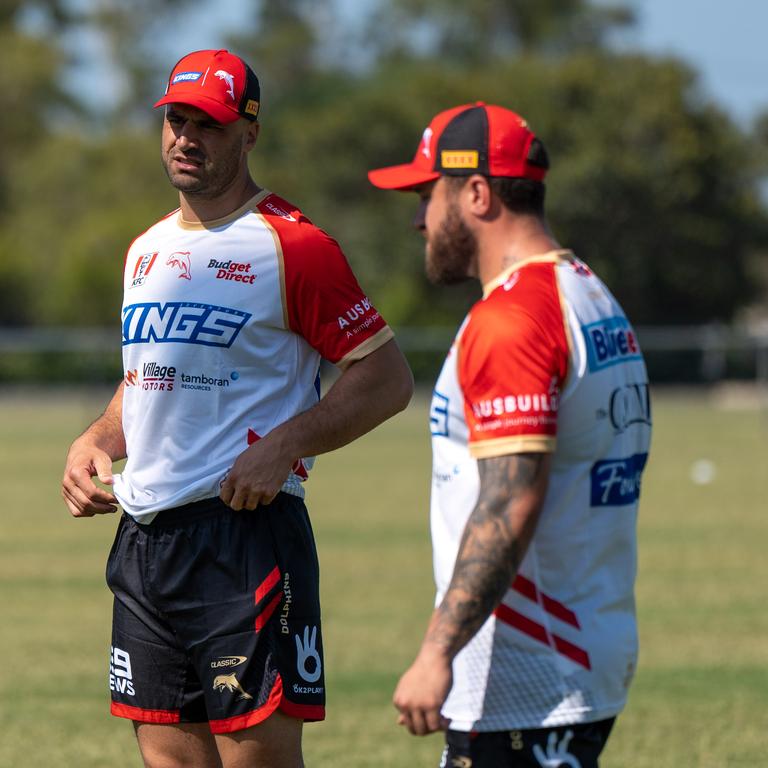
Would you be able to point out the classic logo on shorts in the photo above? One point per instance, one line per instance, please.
(228, 661)
(144, 264)
(120, 676)
(616, 482)
(230, 683)
(182, 322)
(610, 342)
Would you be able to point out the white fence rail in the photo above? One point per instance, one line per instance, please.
(714, 344)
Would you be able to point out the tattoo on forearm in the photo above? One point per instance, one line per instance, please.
(492, 546)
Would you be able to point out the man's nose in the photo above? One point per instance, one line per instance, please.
(419, 220)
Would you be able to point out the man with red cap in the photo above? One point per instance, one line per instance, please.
(230, 304)
(540, 424)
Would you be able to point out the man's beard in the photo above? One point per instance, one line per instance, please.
(208, 184)
(451, 250)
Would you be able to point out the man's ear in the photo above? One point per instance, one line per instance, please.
(479, 195)
(250, 136)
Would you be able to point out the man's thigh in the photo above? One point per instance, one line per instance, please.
(569, 746)
(275, 743)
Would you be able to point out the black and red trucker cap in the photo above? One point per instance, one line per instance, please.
(473, 138)
(218, 82)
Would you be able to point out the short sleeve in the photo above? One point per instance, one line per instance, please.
(513, 359)
(323, 300)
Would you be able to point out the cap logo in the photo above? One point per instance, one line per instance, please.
(183, 77)
(425, 139)
(251, 107)
(460, 158)
(230, 80)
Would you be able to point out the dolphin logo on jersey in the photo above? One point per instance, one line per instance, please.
(230, 683)
(180, 260)
(229, 79)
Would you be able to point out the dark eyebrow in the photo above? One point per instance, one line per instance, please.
(204, 122)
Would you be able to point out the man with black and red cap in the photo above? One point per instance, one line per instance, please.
(230, 303)
(540, 424)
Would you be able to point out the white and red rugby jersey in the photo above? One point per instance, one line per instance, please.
(546, 361)
(224, 327)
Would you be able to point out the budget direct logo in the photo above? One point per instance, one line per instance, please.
(610, 342)
(616, 482)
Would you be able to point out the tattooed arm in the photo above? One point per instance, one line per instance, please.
(497, 534)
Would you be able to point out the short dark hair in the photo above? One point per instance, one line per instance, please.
(521, 196)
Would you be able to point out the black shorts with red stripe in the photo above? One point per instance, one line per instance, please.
(216, 616)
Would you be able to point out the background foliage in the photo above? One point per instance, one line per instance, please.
(651, 184)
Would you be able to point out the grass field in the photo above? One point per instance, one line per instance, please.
(700, 699)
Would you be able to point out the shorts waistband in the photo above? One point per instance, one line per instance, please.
(186, 513)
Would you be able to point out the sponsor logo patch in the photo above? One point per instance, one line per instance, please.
(610, 342)
(180, 260)
(460, 158)
(627, 406)
(186, 77)
(141, 270)
(228, 661)
(616, 482)
(251, 107)
(230, 683)
(308, 662)
(438, 415)
(120, 674)
(182, 322)
(236, 271)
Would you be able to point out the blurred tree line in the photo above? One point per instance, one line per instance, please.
(651, 183)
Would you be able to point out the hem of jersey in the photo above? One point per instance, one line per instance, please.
(156, 716)
(579, 717)
(240, 722)
(555, 256)
(249, 205)
(379, 339)
(501, 446)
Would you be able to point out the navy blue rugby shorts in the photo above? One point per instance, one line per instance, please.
(565, 746)
(216, 616)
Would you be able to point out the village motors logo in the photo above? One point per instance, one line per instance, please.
(610, 342)
(153, 377)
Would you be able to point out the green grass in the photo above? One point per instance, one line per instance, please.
(700, 699)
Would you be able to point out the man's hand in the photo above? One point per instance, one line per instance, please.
(257, 475)
(81, 495)
(422, 690)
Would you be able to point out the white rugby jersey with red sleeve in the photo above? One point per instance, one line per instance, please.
(224, 326)
(546, 361)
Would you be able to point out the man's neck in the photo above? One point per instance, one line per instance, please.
(512, 241)
(197, 208)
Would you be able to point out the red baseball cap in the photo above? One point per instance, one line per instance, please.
(473, 138)
(218, 82)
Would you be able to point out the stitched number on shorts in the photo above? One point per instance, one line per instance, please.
(557, 755)
(305, 651)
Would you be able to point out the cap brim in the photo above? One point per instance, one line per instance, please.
(406, 176)
(216, 110)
